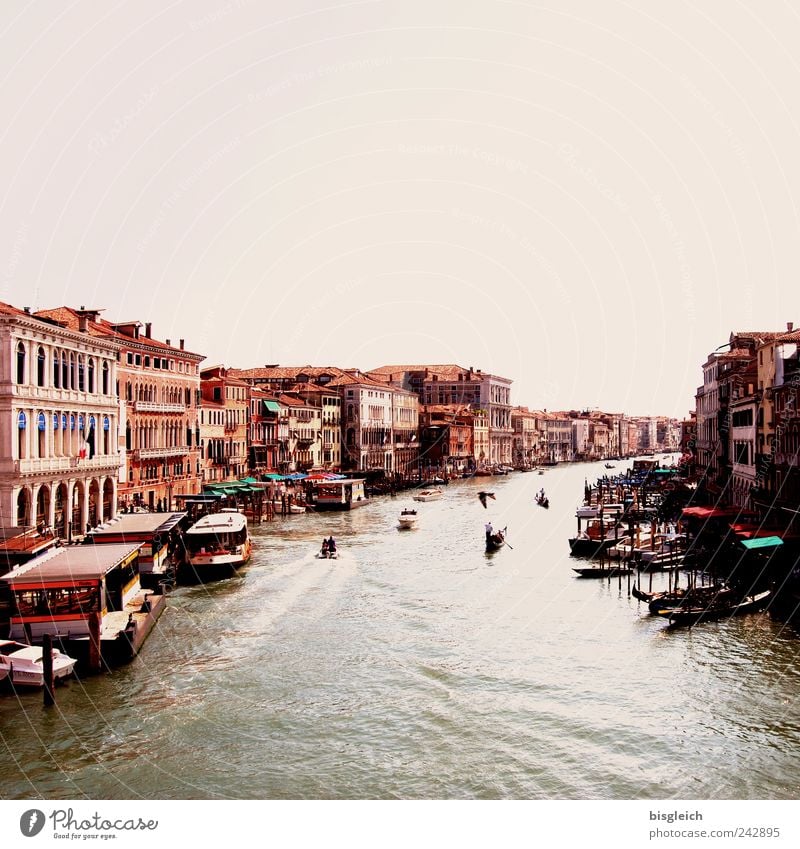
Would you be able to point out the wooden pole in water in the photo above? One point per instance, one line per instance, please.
(94, 642)
(47, 671)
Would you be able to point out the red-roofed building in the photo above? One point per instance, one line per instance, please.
(226, 398)
(59, 420)
(159, 390)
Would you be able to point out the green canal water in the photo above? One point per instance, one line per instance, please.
(417, 666)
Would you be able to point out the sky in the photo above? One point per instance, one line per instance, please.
(583, 197)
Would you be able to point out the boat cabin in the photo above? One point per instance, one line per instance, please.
(152, 529)
(57, 593)
(344, 494)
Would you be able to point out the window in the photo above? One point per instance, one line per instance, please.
(81, 375)
(106, 379)
(40, 366)
(91, 375)
(20, 363)
(56, 370)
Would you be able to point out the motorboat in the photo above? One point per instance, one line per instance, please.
(217, 544)
(23, 665)
(428, 495)
(407, 518)
(325, 554)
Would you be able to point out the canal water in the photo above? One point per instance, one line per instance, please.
(418, 666)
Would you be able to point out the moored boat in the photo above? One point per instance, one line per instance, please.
(605, 571)
(23, 665)
(159, 532)
(344, 494)
(692, 612)
(217, 545)
(428, 495)
(85, 597)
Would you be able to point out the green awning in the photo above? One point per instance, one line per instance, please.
(273, 476)
(211, 491)
(272, 407)
(248, 480)
(762, 542)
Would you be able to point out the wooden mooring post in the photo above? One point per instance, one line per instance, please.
(49, 694)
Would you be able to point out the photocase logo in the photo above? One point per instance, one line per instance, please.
(31, 822)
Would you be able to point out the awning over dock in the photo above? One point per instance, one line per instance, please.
(760, 543)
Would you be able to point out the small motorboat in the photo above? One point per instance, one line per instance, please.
(610, 571)
(325, 554)
(407, 519)
(543, 501)
(609, 465)
(24, 664)
(428, 495)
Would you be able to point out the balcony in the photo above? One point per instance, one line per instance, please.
(155, 453)
(155, 407)
(45, 465)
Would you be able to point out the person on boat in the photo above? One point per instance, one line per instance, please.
(331, 545)
(324, 549)
(489, 531)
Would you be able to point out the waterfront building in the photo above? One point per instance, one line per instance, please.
(467, 387)
(581, 438)
(782, 478)
(599, 438)
(59, 423)
(446, 439)
(367, 417)
(480, 438)
(262, 431)
(327, 423)
(158, 387)
(525, 444)
(558, 431)
(222, 393)
(300, 441)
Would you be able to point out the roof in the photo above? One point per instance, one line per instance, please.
(286, 372)
(7, 309)
(101, 328)
(131, 524)
(72, 564)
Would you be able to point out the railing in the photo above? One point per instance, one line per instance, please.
(155, 407)
(174, 451)
(34, 465)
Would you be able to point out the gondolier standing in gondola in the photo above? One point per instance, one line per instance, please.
(489, 531)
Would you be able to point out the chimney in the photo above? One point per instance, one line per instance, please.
(167, 341)
(83, 323)
(181, 344)
(27, 310)
(789, 326)
(135, 331)
(148, 329)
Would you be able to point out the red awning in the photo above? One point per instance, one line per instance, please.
(707, 512)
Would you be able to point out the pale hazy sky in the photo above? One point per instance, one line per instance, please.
(586, 197)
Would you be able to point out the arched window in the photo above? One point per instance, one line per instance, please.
(81, 374)
(106, 375)
(40, 366)
(106, 435)
(22, 436)
(64, 373)
(56, 370)
(20, 363)
(91, 375)
(72, 383)
(128, 443)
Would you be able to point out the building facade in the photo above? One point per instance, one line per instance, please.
(59, 424)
